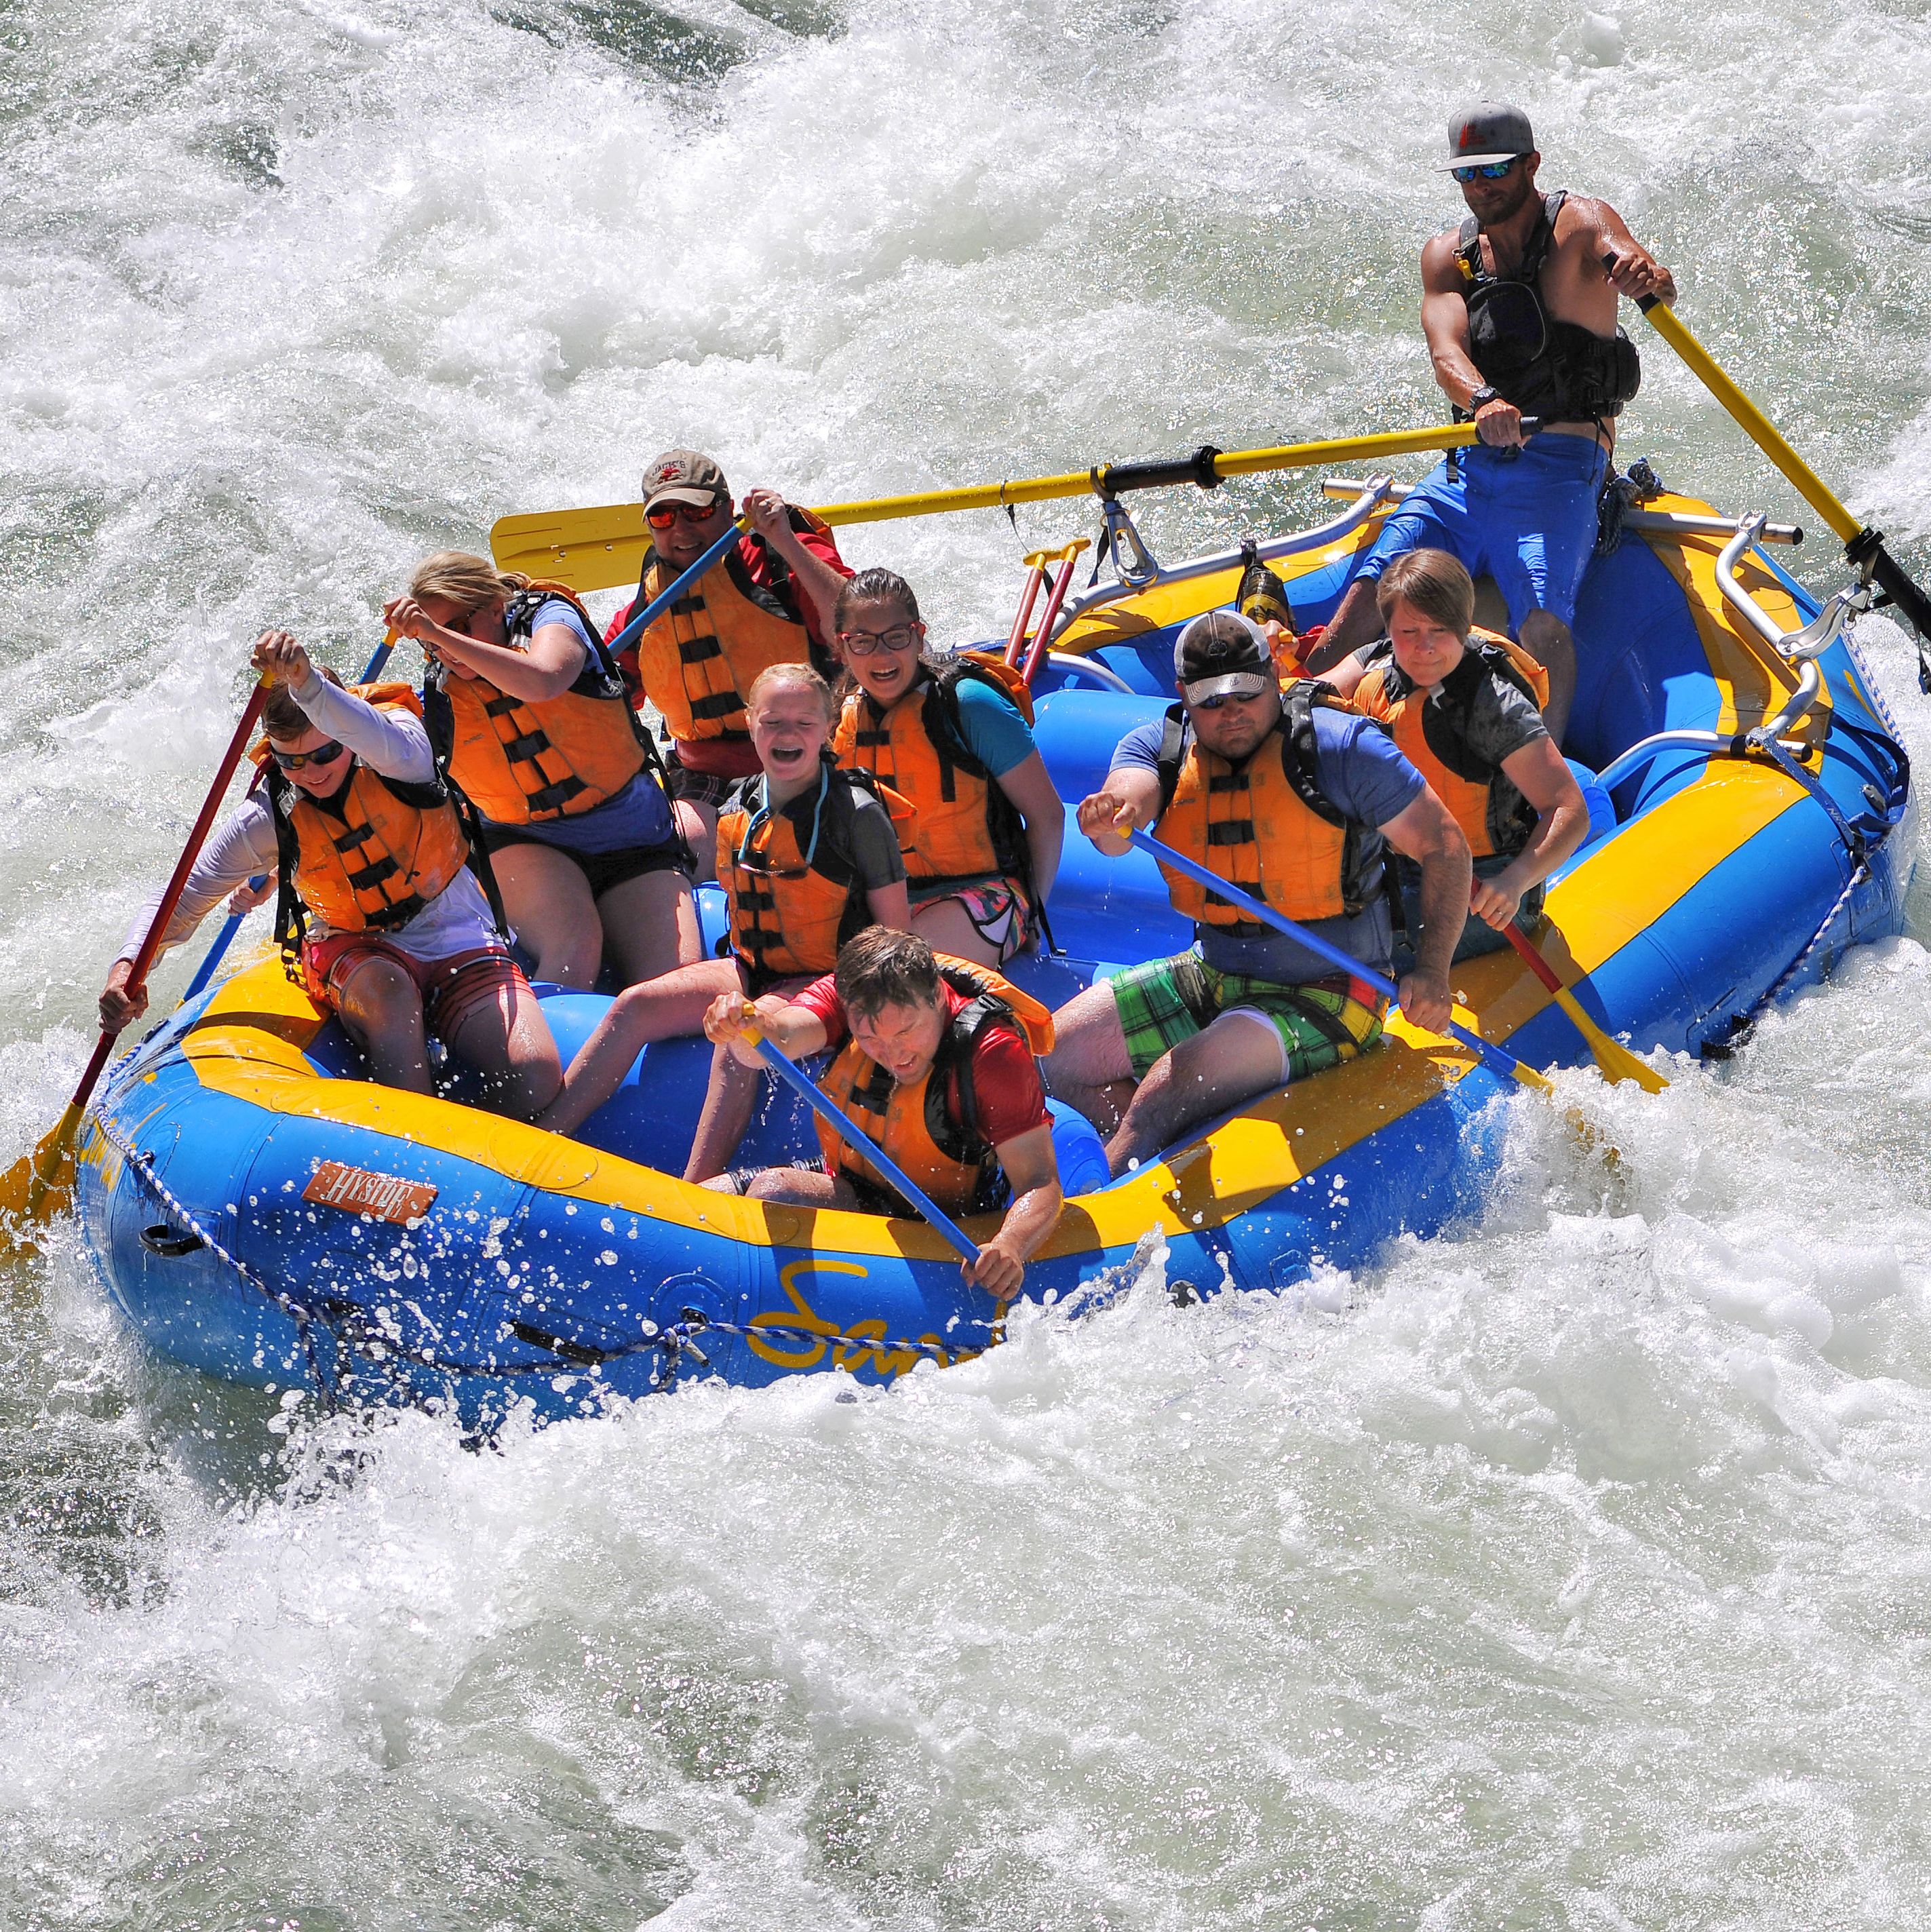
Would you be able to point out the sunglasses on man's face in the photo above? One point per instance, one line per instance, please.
(665, 515)
(1488, 171)
(293, 761)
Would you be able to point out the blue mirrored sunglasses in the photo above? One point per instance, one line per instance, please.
(1488, 171)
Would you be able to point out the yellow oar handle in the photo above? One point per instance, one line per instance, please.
(1038, 560)
(1756, 425)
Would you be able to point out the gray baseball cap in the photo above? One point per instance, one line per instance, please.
(1490, 130)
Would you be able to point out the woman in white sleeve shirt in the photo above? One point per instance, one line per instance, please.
(379, 912)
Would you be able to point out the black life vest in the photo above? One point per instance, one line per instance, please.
(1558, 371)
(1433, 734)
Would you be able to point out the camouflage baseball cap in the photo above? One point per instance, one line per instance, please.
(684, 476)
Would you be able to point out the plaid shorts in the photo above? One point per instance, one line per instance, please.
(1321, 1022)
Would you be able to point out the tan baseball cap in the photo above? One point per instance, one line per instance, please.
(684, 476)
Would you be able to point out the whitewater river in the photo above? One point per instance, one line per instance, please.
(1570, 1572)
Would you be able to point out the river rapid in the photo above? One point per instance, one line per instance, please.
(1567, 1571)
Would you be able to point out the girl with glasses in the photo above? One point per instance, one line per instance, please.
(950, 739)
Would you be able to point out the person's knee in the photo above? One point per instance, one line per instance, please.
(1543, 630)
(379, 996)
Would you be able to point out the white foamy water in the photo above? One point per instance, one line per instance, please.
(1566, 1573)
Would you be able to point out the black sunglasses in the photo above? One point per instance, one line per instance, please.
(293, 761)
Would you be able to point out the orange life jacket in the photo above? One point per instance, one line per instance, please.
(375, 856)
(520, 759)
(915, 1125)
(697, 661)
(1496, 819)
(1265, 825)
(792, 887)
(964, 827)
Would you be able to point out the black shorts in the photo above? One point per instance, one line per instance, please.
(601, 870)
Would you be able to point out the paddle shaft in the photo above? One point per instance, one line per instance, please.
(1492, 1056)
(660, 603)
(1863, 545)
(212, 958)
(137, 975)
(807, 1090)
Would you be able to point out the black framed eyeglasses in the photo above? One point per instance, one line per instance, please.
(1485, 171)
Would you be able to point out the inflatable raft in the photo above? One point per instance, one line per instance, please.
(259, 1211)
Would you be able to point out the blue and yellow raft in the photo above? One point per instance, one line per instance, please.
(260, 1213)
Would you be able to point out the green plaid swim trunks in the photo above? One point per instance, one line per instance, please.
(1321, 1022)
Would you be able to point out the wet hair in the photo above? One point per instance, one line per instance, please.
(874, 585)
(802, 676)
(283, 718)
(881, 967)
(467, 580)
(1434, 583)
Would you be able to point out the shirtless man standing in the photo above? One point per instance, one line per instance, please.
(1519, 309)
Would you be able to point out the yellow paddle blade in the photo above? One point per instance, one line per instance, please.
(1616, 1060)
(40, 1185)
(597, 549)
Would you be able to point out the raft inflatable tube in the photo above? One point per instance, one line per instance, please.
(260, 1212)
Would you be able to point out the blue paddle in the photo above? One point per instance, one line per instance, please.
(794, 1077)
(205, 972)
(1493, 1056)
(662, 602)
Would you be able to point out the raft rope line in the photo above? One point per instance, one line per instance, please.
(1862, 851)
(672, 1342)
(303, 1318)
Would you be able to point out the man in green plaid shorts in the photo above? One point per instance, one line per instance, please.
(1295, 800)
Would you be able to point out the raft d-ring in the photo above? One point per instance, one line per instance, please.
(170, 1243)
(1038, 560)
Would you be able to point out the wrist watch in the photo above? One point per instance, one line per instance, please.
(1480, 399)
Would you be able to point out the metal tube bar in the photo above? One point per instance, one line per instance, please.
(1680, 521)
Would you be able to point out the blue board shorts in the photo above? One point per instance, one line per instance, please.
(1526, 517)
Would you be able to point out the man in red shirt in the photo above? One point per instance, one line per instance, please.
(767, 600)
(938, 1069)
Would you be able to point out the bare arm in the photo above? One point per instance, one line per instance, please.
(766, 513)
(1426, 833)
(890, 905)
(549, 667)
(1129, 801)
(794, 1030)
(1032, 1172)
(1631, 269)
(1444, 321)
(1538, 772)
(1346, 677)
(1030, 787)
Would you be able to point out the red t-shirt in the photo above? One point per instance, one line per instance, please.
(734, 758)
(1005, 1076)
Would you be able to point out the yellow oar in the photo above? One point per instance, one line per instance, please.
(594, 549)
(1863, 545)
(40, 1185)
(1616, 1060)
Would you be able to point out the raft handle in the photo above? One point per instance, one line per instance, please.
(168, 1242)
